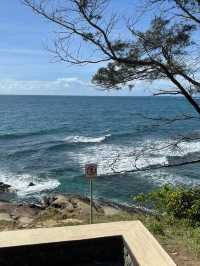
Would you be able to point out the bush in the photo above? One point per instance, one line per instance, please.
(156, 227)
(179, 202)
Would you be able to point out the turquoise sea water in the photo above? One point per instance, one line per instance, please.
(48, 140)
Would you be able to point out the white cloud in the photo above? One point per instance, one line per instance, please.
(60, 86)
(66, 86)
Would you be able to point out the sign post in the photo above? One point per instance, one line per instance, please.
(91, 173)
(91, 201)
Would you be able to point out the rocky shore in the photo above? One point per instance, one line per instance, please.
(54, 210)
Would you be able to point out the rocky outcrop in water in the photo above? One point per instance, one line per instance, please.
(31, 184)
(4, 187)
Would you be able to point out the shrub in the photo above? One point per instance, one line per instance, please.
(156, 227)
(180, 202)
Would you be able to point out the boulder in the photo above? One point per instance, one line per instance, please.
(47, 223)
(4, 187)
(24, 220)
(5, 217)
(7, 207)
(67, 213)
(61, 202)
(71, 221)
(110, 211)
(31, 184)
(24, 211)
(47, 200)
(83, 207)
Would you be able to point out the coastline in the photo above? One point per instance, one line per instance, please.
(58, 210)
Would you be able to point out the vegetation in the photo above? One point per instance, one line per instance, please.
(166, 49)
(177, 215)
(176, 202)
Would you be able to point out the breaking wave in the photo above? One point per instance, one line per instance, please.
(21, 183)
(83, 139)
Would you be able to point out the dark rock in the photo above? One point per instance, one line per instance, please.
(47, 200)
(4, 187)
(31, 184)
(60, 201)
(37, 206)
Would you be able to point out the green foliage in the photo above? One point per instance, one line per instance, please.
(164, 41)
(178, 202)
(156, 227)
(88, 36)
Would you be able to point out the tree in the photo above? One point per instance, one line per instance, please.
(186, 9)
(159, 53)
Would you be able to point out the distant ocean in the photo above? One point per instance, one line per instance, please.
(48, 139)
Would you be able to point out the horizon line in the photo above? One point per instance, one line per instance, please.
(72, 95)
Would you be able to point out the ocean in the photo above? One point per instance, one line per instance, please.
(47, 140)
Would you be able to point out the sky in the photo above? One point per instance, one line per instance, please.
(26, 67)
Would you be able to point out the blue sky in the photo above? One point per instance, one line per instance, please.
(25, 64)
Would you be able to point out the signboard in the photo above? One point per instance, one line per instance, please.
(91, 170)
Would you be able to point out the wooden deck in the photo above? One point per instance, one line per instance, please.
(140, 242)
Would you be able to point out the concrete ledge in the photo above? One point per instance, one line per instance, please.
(142, 246)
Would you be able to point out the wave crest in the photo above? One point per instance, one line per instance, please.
(83, 139)
(20, 183)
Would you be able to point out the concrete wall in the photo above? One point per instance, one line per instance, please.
(129, 259)
(100, 251)
(107, 244)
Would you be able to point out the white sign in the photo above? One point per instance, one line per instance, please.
(91, 170)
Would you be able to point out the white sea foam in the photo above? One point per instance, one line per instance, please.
(162, 152)
(83, 139)
(20, 183)
(118, 158)
(162, 177)
(168, 147)
(167, 153)
(113, 158)
(190, 147)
